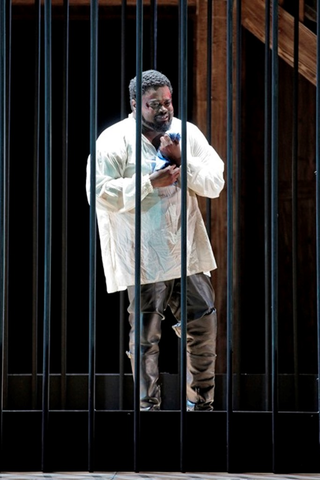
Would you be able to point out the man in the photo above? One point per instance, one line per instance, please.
(160, 234)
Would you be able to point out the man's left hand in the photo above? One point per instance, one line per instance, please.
(170, 149)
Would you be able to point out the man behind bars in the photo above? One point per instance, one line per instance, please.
(160, 234)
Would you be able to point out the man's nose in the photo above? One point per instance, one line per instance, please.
(162, 107)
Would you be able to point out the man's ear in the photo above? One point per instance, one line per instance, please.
(133, 104)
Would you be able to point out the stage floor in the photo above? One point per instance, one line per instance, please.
(154, 476)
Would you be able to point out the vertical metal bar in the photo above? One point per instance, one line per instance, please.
(124, 88)
(122, 295)
(92, 228)
(7, 199)
(47, 228)
(295, 99)
(318, 204)
(209, 101)
(137, 330)
(274, 226)
(3, 153)
(64, 226)
(35, 205)
(154, 34)
(183, 106)
(229, 228)
(122, 318)
(267, 227)
(238, 166)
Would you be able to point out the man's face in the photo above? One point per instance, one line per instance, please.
(157, 110)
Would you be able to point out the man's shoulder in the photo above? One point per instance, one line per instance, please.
(121, 125)
(177, 124)
(117, 130)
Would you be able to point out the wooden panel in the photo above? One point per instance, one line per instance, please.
(218, 140)
(301, 10)
(253, 18)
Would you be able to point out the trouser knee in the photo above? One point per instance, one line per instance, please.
(150, 333)
(202, 335)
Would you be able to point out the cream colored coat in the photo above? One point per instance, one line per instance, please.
(160, 207)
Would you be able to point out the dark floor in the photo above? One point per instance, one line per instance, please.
(155, 476)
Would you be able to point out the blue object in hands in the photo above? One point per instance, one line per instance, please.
(161, 161)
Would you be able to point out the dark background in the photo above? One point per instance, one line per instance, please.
(23, 188)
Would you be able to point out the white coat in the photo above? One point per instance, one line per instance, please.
(160, 207)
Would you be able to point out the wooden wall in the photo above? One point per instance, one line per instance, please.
(297, 303)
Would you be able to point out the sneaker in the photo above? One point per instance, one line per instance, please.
(199, 407)
(151, 403)
(149, 408)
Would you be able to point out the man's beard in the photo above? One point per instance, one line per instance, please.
(160, 127)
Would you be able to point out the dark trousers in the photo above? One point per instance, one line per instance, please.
(201, 338)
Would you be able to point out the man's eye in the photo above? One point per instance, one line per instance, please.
(158, 105)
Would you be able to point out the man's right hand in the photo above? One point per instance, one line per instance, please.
(165, 177)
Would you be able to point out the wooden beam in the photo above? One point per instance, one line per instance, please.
(253, 19)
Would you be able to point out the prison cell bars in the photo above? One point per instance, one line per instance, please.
(294, 176)
(274, 224)
(236, 327)
(318, 203)
(35, 205)
(154, 34)
(7, 196)
(137, 290)
(64, 206)
(47, 227)
(267, 136)
(3, 164)
(47, 291)
(209, 107)
(183, 62)
(122, 299)
(229, 185)
(92, 227)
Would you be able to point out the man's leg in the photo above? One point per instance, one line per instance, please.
(201, 342)
(152, 306)
(201, 360)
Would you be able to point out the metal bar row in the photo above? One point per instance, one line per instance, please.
(47, 226)
(94, 15)
(318, 202)
(230, 220)
(183, 85)
(3, 164)
(271, 214)
(274, 222)
(36, 203)
(137, 293)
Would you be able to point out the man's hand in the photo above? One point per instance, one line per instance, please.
(165, 177)
(170, 149)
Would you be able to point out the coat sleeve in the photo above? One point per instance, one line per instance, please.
(115, 190)
(205, 168)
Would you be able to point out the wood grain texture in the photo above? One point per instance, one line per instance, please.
(253, 18)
